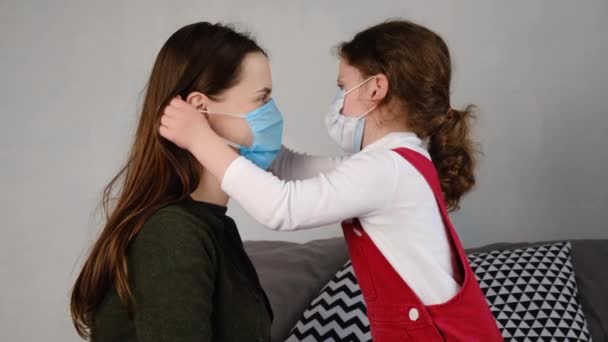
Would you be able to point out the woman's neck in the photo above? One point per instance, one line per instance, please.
(209, 190)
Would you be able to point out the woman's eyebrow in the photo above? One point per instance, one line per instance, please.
(265, 90)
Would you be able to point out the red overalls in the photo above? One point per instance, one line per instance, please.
(395, 313)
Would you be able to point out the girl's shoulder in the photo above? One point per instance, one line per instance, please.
(374, 161)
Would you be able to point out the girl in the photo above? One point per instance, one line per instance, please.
(413, 160)
(169, 264)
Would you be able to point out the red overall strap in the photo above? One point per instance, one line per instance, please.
(426, 168)
(467, 316)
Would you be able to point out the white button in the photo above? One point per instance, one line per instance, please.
(414, 315)
(358, 232)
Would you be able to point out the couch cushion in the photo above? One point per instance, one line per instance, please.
(589, 258)
(531, 292)
(292, 275)
(338, 313)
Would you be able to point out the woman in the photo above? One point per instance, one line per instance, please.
(169, 264)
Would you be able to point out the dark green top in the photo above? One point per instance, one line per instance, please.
(192, 281)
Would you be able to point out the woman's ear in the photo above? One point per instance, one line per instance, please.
(197, 100)
(379, 87)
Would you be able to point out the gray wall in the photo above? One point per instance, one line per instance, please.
(72, 76)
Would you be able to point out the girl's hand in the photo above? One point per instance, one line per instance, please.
(189, 129)
(183, 124)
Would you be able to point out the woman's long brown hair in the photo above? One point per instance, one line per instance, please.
(417, 64)
(200, 57)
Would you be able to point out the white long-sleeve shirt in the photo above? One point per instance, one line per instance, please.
(394, 204)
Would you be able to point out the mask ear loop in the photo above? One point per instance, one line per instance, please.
(357, 86)
(206, 113)
(368, 111)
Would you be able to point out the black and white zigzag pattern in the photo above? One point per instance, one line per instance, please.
(531, 292)
(337, 314)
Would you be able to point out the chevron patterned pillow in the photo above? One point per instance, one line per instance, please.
(337, 314)
(531, 292)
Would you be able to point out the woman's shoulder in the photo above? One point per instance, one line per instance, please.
(174, 227)
(175, 217)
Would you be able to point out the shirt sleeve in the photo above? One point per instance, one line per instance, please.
(357, 187)
(172, 276)
(291, 165)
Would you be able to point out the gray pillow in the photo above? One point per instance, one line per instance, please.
(292, 275)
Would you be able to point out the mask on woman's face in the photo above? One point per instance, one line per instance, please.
(347, 131)
(266, 125)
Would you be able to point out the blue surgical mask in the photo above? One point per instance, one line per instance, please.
(266, 125)
(346, 131)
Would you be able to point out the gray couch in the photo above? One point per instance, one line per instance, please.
(293, 274)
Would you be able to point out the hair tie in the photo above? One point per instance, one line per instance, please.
(450, 113)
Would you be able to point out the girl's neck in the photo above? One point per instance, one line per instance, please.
(375, 130)
(209, 190)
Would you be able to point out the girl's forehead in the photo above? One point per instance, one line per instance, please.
(347, 72)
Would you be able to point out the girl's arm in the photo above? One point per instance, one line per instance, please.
(291, 165)
(360, 185)
(185, 126)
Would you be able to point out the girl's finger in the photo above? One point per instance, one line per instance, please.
(164, 132)
(177, 103)
(165, 121)
(168, 110)
(171, 111)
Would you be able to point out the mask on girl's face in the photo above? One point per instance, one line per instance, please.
(347, 131)
(266, 125)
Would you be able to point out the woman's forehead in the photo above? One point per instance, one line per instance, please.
(255, 71)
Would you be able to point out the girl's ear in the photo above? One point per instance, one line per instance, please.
(197, 100)
(379, 87)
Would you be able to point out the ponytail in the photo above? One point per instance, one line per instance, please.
(454, 154)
